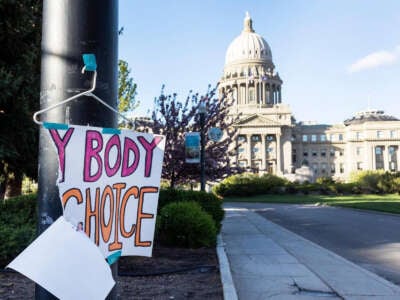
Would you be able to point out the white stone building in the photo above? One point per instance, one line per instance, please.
(270, 140)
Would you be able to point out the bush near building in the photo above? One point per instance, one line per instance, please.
(362, 182)
(186, 224)
(209, 202)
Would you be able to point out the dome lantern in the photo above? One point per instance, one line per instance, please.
(248, 23)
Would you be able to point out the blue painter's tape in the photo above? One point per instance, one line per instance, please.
(89, 60)
(55, 126)
(111, 131)
(114, 257)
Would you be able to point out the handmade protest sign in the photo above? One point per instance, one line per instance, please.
(109, 184)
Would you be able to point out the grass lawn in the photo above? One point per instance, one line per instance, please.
(386, 203)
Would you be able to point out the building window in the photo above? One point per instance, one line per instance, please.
(392, 134)
(341, 152)
(358, 151)
(393, 158)
(332, 152)
(305, 153)
(323, 168)
(242, 163)
(332, 168)
(315, 168)
(241, 138)
(257, 164)
(323, 137)
(293, 137)
(313, 138)
(255, 138)
(241, 150)
(255, 149)
(323, 152)
(341, 168)
(270, 138)
(340, 137)
(332, 137)
(358, 135)
(314, 152)
(379, 158)
(270, 149)
(305, 137)
(359, 165)
(252, 97)
(379, 134)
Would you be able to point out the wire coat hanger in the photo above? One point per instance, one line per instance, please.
(90, 65)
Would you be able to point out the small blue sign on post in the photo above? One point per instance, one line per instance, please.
(192, 147)
(215, 134)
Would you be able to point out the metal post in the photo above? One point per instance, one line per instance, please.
(71, 28)
(202, 149)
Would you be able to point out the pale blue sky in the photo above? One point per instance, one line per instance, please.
(331, 54)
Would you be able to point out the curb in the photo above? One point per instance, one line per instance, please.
(228, 286)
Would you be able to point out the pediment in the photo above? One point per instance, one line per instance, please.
(256, 120)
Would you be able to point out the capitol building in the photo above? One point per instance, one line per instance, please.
(269, 138)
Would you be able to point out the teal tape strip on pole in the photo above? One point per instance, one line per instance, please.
(89, 60)
(55, 126)
(111, 131)
(114, 257)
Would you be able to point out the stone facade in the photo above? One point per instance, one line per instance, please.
(270, 140)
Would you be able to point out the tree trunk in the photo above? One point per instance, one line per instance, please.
(13, 185)
(2, 190)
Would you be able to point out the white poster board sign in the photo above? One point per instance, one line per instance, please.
(109, 184)
(66, 263)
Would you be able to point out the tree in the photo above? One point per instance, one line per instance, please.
(126, 88)
(173, 119)
(20, 32)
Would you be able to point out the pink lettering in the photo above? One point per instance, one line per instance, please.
(129, 145)
(113, 141)
(90, 153)
(149, 147)
(61, 144)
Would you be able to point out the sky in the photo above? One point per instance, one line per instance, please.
(335, 57)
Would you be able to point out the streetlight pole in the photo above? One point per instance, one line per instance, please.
(71, 28)
(202, 113)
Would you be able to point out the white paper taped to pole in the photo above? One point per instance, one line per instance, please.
(66, 263)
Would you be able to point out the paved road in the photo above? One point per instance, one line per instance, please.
(371, 240)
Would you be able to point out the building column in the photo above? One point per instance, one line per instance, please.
(398, 158)
(263, 93)
(373, 158)
(246, 91)
(263, 152)
(278, 154)
(248, 137)
(385, 158)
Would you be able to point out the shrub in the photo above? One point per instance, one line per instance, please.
(17, 226)
(376, 181)
(185, 224)
(249, 184)
(208, 201)
(367, 181)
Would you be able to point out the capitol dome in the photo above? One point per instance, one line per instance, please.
(248, 46)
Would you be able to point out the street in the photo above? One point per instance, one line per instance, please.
(369, 239)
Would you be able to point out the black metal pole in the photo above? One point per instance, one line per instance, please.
(202, 152)
(71, 28)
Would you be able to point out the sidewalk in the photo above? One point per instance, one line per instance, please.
(267, 261)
